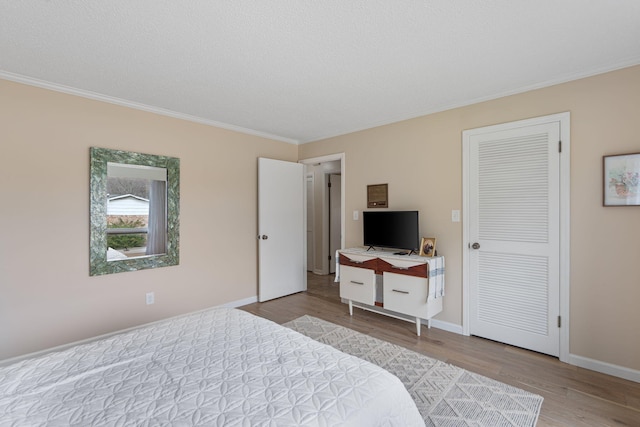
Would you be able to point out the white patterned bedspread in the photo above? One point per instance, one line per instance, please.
(220, 367)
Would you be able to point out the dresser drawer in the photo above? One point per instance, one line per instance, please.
(360, 261)
(358, 284)
(406, 294)
(405, 267)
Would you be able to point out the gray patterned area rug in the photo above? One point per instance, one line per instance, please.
(444, 394)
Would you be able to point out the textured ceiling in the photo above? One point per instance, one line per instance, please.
(299, 70)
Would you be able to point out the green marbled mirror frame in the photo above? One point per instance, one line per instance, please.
(98, 264)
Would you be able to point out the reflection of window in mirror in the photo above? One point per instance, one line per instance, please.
(136, 211)
(150, 185)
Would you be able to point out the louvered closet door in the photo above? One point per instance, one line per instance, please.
(514, 218)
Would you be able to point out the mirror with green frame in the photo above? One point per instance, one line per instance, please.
(135, 201)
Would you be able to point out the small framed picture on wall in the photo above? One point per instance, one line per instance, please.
(428, 246)
(378, 196)
(621, 178)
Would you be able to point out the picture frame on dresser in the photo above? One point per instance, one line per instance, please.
(427, 246)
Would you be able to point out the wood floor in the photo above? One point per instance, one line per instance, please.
(572, 396)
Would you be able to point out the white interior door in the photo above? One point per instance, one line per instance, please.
(513, 220)
(281, 228)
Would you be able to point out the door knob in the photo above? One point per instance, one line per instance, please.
(476, 245)
(265, 237)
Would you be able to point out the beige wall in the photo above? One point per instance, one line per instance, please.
(421, 160)
(46, 295)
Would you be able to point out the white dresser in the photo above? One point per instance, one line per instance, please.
(408, 287)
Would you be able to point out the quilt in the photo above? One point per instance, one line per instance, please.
(218, 367)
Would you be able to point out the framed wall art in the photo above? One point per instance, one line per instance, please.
(621, 175)
(377, 196)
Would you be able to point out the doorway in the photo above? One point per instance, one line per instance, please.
(325, 199)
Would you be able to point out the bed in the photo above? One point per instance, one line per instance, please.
(218, 367)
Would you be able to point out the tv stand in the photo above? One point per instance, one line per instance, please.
(408, 287)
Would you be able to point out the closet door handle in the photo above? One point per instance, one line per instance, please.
(399, 291)
(356, 283)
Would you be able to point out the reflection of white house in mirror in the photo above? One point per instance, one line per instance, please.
(127, 204)
(136, 211)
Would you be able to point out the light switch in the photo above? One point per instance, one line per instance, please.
(356, 215)
(455, 216)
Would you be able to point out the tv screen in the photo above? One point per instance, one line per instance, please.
(391, 229)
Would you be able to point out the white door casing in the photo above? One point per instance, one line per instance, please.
(335, 211)
(324, 267)
(516, 211)
(310, 222)
(281, 229)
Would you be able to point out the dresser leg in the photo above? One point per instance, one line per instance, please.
(350, 308)
(418, 324)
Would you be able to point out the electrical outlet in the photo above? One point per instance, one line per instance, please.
(356, 215)
(151, 298)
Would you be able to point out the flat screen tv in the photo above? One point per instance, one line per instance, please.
(391, 229)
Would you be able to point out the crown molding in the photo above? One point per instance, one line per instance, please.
(18, 78)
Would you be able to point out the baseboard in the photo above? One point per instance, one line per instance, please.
(605, 368)
(575, 360)
(240, 302)
(446, 326)
(5, 362)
